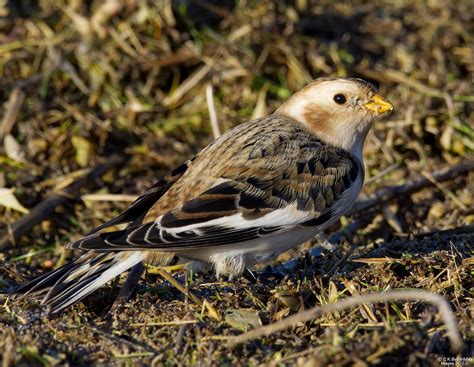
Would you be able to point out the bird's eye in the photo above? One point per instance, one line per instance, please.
(340, 98)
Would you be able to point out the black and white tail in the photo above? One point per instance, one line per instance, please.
(75, 280)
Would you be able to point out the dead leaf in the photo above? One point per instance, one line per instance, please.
(83, 150)
(13, 149)
(243, 319)
(8, 200)
(374, 260)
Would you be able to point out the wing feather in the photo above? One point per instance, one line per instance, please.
(136, 211)
(275, 179)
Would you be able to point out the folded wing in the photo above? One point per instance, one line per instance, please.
(136, 211)
(284, 181)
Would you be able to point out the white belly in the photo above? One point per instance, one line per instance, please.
(234, 258)
(274, 244)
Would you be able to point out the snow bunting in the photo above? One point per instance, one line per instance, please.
(258, 190)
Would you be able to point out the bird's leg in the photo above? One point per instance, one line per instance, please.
(129, 286)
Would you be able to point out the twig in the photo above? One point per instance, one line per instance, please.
(382, 173)
(205, 305)
(117, 339)
(183, 55)
(167, 276)
(109, 197)
(435, 182)
(392, 219)
(399, 77)
(165, 323)
(11, 111)
(46, 208)
(107, 10)
(221, 11)
(449, 103)
(212, 111)
(467, 229)
(176, 95)
(367, 310)
(402, 295)
(348, 231)
(390, 193)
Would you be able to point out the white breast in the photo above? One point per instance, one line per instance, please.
(234, 258)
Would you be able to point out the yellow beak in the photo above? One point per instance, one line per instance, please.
(378, 104)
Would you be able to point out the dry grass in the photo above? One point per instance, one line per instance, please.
(81, 81)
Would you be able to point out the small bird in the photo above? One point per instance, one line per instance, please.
(258, 190)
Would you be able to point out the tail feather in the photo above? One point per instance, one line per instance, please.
(77, 279)
(43, 283)
(68, 295)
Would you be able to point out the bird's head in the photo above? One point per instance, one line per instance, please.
(340, 111)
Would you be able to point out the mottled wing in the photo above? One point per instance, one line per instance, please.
(133, 215)
(277, 178)
(137, 210)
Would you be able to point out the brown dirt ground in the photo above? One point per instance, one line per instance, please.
(129, 78)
